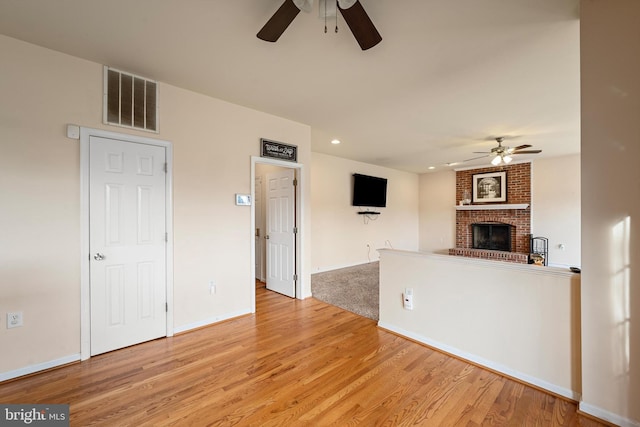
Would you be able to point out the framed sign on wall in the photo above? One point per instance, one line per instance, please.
(278, 150)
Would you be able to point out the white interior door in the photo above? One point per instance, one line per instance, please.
(280, 232)
(127, 241)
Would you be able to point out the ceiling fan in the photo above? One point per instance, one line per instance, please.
(352, 11)
(502, 154)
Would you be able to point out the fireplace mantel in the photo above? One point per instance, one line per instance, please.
(491, 207)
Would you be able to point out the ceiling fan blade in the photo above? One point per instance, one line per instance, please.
(520, 147)
(361, 26)
(482, 152)
(527, 152)
(475, 158)
(464, 161)
(279, 22)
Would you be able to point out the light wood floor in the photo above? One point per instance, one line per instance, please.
(293, 363)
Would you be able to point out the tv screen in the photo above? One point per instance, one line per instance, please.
(369, 191)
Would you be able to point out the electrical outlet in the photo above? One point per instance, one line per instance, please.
(407, 300)
(212, 287)
(14, 319)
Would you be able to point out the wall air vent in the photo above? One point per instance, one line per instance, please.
(130, 101)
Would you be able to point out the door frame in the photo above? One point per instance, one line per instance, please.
(299, 223)
(260, 273)
(85, 278)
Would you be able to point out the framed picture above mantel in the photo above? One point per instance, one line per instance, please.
(490, 187)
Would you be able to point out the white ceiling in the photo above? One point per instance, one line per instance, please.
(448, 76)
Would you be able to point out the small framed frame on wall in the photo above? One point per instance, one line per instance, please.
(490, 187)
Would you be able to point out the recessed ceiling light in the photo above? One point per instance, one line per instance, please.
(431, 167)
(335, 141)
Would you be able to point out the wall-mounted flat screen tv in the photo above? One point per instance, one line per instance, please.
(369, 191)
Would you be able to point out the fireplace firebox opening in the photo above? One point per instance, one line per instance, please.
(491, 235)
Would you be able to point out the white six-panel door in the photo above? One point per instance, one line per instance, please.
(127, 241)
(280, 236)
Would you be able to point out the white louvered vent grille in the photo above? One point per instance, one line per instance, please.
(130, 101)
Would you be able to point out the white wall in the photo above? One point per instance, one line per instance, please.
(213, 142)
(610, 84)
(437, 212)
(340, 236)
(555, 212)
(521, 320)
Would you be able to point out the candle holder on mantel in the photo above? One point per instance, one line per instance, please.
(466, 197)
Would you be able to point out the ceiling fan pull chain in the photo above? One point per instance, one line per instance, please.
(325, 17)
(337, 6)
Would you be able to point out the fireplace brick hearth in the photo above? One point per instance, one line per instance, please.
(492, 255)
(518, 192)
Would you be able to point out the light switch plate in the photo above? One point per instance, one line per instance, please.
(73, 131)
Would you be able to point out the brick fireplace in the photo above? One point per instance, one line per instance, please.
(512, 212)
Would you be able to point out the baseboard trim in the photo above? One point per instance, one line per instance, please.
(341, 266)
(601, 414)
(210, 321)
(496, 367)
(32, 369)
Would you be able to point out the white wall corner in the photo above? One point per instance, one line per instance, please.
(606, 415)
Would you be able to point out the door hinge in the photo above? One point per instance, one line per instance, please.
(166, 307)
(295, 230)
(166, 168)
(295, 182)
(166, 237)
(295, 277)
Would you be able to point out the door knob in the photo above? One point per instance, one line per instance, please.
(98, 256)
(266, 237)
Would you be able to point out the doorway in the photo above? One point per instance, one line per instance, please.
(276, 225)
(126, 264)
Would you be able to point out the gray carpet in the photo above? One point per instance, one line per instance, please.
(355, 289)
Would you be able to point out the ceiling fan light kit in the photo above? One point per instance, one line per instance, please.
(329, 8)
(304, 5)
(352, 11)
(501, 158)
